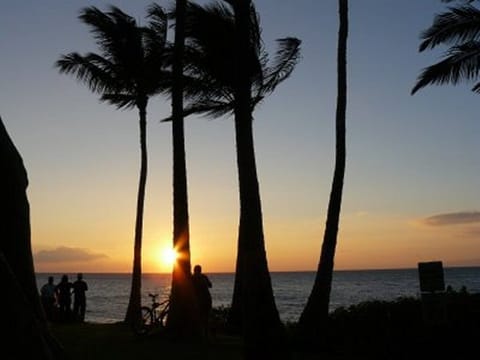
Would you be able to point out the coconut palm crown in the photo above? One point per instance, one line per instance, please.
(127, 70)
(459, 28)
(210, 58)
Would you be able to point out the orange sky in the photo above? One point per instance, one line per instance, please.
(411, 185)
(366, 241)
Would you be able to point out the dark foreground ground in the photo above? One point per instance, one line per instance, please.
(439, 328)
(116, 341)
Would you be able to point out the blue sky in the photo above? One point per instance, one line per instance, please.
(408, 157)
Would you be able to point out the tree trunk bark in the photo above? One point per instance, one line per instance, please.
(24, 328)
(183, 319)
(135, 302)
(263, 332)
(314, 317)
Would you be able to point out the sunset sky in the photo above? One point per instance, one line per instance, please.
(413, 168)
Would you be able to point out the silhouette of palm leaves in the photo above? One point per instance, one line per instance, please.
(459, 28)
(210, 58)
(129, 65)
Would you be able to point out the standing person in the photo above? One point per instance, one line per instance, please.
(64, 298)
(79, 297)
(202, 284)
(47, 294)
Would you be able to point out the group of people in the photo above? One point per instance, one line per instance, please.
(57, 299)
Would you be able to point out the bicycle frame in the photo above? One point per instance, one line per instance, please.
(152, 317)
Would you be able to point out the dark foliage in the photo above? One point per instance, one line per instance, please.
(458, 28)
(400, 330)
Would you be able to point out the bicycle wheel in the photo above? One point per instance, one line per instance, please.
(145, 323)
(162, 318)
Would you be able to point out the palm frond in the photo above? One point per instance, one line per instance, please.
(157, 18)
(153, 43)
(464, 1)
(462, 62)
(209, 46)
(156, 33)
(476, 88)
(116, 34)
(256, 32)
(210, 58)
(206, 88)
(121, 101)
(458, 25)
(132, 62)
(286, 58)
(209, 25)
(256, 100)
(208, 108)
(101, 26)
(93, 70)
(208, 73)
(157, 50)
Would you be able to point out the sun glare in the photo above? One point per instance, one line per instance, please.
(169, 256)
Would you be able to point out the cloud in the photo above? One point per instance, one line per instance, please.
(452, 218)
(67, 254)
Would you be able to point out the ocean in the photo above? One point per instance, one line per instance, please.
(107, 296)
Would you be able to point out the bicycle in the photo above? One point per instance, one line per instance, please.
(153, 317)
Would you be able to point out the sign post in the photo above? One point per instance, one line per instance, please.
(432, 288)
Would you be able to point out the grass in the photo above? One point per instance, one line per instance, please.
(116, 341)
(369, 330)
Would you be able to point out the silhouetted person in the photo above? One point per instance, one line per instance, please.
(47, 294)
(202, 284)
(79, 297)
(64, 297)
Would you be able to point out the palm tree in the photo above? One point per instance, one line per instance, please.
(459, 28)
(315, 313)
(125, 74)
(228, 72)
(183, 318)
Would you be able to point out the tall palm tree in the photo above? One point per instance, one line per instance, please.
(126, 73)
(458, 28)
(228, 72)
(315, 313)
(183, 318)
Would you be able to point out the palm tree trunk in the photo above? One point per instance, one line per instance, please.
(263, 331)
(135, 301)
(315, 314)
(183, 319)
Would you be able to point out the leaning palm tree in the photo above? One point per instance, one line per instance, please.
(458, 28)
(315, 314)
(228, 72)
(183, 317)
(126, 73)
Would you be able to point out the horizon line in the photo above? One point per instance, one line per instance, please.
(271, 272)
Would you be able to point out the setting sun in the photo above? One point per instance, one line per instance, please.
(168, 257)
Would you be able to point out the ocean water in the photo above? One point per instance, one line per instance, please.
(107, 297)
